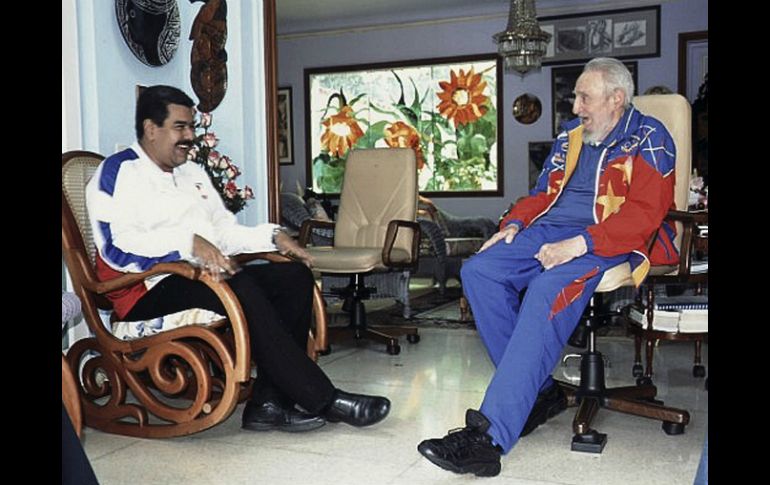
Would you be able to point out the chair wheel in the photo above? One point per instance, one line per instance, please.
(643, 381)
(413, 338)
(698, 371)
(672, 428)
(394, 349)
(637, 370)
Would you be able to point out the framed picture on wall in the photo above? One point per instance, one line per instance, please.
(285, 128)
(622, 34)
(445, 109)
(563, 81)
(538, 151)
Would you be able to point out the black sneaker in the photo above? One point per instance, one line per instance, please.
(549, 403)
(465, 450)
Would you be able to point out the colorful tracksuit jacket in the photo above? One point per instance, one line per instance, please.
(634, 190)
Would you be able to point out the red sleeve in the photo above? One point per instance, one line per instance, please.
(648, 199)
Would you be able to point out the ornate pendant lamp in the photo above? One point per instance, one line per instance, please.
(523, 43)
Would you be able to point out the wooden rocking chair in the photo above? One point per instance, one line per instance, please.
(173, 383)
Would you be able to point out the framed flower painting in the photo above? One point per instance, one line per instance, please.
(445, 109)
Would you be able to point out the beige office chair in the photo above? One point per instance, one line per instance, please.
(674, 112)
(376, 230)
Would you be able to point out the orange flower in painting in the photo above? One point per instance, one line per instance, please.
(341, 133)
(462, 98)
(401, 135)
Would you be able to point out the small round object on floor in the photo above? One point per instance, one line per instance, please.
(413, 338)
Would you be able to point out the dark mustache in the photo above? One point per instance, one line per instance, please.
(184, 142)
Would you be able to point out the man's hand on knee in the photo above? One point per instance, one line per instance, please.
(554, 254)
(509, 232)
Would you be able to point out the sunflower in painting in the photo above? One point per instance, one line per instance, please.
(342, 132)
(401, 135)
(462, 98)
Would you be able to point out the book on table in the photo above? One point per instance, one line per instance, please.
(684, 320)
(682, 302)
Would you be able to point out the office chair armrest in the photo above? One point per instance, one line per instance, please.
(689, 221)
(390, 239)
(308, 226)
(688, 217)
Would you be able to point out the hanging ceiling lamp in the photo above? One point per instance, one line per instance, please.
(522, 44)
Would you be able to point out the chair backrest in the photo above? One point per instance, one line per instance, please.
(674, 111)
(380, 186)
(78, 249)
(77, 169)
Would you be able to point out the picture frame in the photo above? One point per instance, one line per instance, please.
(563, 81)
(410, 104)
(285, 148)
(538, 151)
(622, 34)
(693, 63)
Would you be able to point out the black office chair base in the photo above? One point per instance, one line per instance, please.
(353, 296)
(592, 395)
(591, 442)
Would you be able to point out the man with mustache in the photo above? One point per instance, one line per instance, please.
(604, 190)
(147, 205)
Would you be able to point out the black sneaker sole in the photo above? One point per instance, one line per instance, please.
(478, 469)
(294, 428)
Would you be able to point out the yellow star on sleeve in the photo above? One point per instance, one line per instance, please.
(610, 201)
(627, 168)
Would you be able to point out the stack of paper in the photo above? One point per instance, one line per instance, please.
(663, 320)
(694, 321)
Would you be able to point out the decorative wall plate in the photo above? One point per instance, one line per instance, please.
(527, 108)
(150, 28)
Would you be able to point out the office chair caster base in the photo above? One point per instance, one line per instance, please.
(591, 442)
(393, 349)
(672, 428)
(412, 338)
(637, 370)
(643, 381)
(698, 371)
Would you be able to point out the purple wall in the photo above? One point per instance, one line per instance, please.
(459, 38)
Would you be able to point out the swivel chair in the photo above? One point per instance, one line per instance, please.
(591, 394)
(376, 231)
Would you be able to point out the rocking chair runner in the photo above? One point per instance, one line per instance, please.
(173, 383)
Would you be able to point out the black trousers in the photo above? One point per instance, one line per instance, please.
(277, 301)
(75, 467)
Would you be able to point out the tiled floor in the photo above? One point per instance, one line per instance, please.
(430, 384)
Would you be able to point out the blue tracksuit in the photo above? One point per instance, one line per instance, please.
(524, 337)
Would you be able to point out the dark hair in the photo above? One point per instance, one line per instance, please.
(153, 105)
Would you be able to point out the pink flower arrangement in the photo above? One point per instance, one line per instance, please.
(219, 167)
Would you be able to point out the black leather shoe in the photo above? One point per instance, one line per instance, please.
(465, 450)
(549, 403)
(271, 416)
(357, 409)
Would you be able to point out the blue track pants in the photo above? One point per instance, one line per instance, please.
(525, 337)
